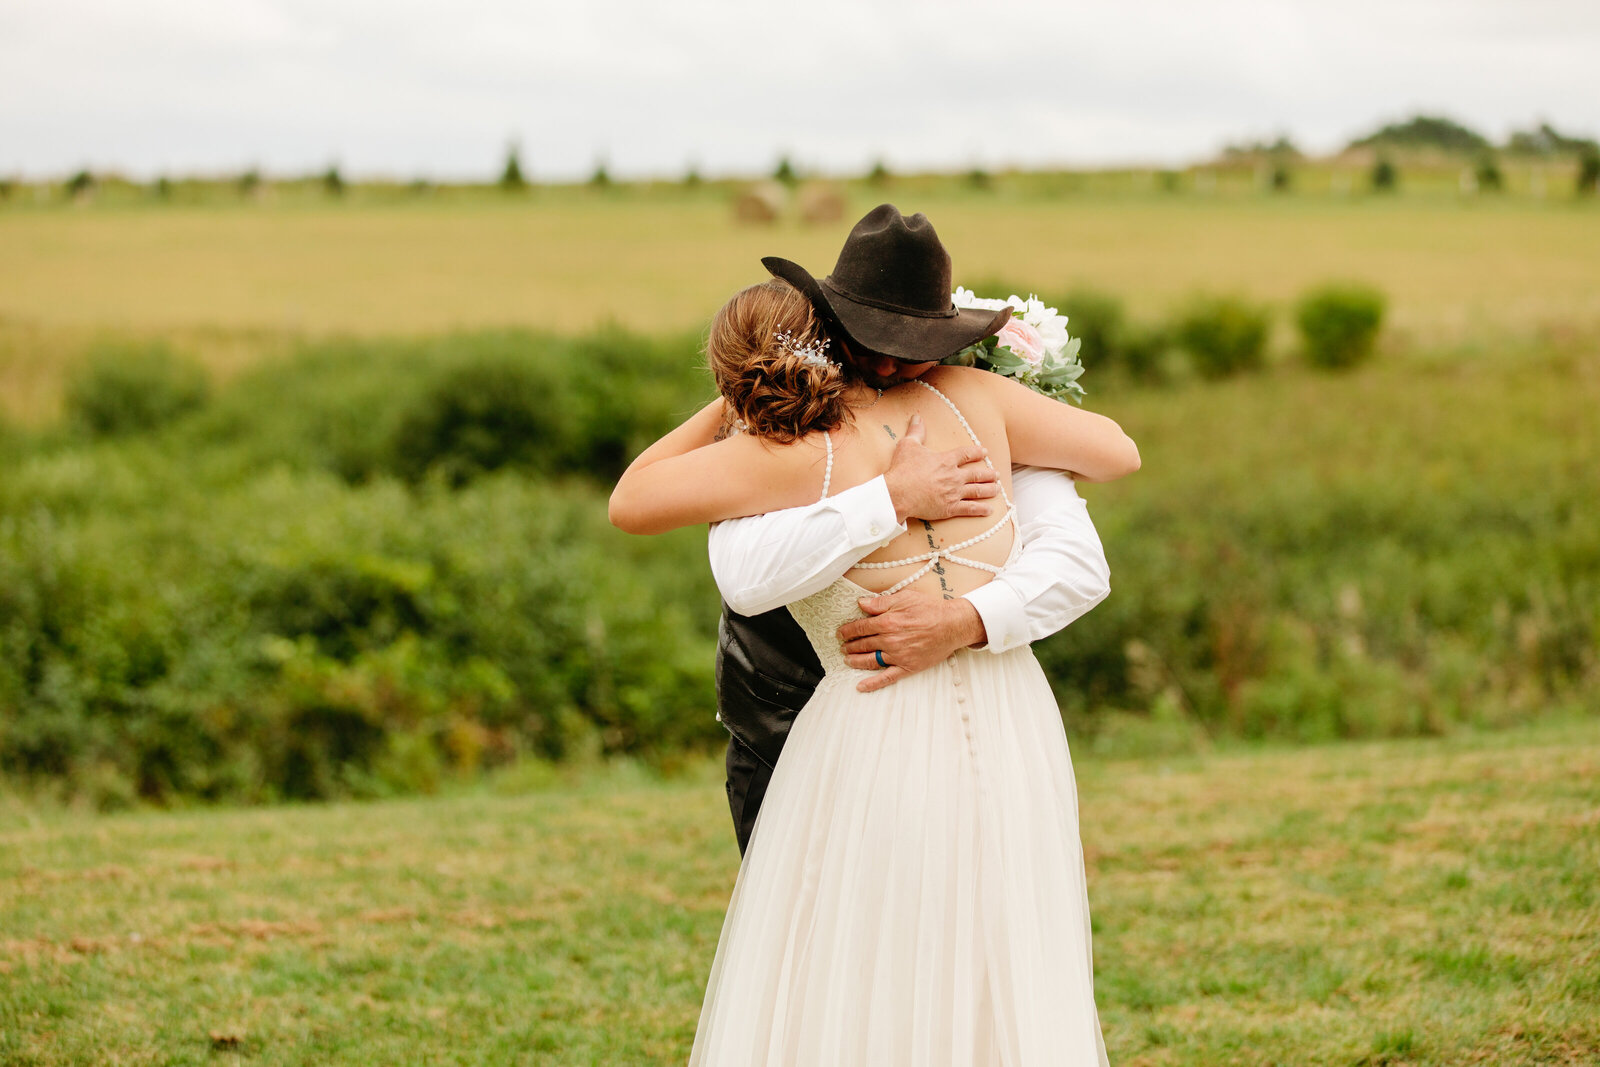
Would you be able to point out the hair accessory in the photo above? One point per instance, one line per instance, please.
(814, 353)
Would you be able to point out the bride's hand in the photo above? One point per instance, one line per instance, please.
(913, 630)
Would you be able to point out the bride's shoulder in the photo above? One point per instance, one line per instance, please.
(964, 385)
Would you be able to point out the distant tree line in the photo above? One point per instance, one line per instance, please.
(1278, 156)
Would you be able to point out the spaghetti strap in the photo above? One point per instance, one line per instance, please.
(965, 425)
(827, 474)
(930, 560)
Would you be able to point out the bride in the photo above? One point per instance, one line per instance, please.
(913, 892)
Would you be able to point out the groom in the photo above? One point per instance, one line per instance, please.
(887, 304)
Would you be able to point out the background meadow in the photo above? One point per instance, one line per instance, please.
(303, 499)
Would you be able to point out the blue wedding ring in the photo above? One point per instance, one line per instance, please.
(879, 654)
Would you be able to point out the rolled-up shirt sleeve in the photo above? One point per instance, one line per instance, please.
(766, 561)
(1061, 572)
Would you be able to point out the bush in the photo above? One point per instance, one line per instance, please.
(1588, 172)
(1339, 324)
(1095, 318)
(1143, 349)
(1223, 334)
(129, 388)
(1385, 176)
(1488, 174)
(486, 415)
(80, 184)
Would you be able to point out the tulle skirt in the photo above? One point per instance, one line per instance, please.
(913, 893)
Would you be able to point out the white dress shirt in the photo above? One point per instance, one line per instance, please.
(765, 561)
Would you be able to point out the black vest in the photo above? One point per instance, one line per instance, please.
(766, 671)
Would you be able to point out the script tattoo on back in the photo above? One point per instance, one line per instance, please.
(890, 432)
(938, 565)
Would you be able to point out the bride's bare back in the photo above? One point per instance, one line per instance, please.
(863, 451)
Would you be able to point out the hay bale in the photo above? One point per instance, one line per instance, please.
(760, 204)
(821, 204)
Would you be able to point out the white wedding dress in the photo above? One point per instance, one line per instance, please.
(913, 892)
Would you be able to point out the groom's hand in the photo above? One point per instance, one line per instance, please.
(931, 485)
(913, 631)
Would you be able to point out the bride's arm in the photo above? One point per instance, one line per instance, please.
(1048, 433)
(682, 480)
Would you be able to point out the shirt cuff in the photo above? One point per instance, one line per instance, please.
(1005, 618)
(868, 514)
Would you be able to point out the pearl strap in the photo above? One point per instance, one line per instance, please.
(929, 560)
(827, 475)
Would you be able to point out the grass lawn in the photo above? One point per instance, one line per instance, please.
(1413, 902)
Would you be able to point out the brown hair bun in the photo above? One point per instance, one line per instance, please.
(764, 351)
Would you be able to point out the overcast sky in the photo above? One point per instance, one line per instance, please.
(414, 89)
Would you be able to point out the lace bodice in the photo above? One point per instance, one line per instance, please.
(822, 613)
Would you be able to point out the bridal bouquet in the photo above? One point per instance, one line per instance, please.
(1033, 347)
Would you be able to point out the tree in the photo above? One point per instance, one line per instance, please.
(785, 172)
(601, 177)
(1546, 140)
(80, 184)
(333, 181)
(879, 174)
(1487, 172)
(1589, 173)
(511, 179)
(1425, 131)
(1385, 176)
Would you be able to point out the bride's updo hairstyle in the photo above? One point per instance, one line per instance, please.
(775, 365)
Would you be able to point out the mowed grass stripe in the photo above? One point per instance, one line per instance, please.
(1422, 902)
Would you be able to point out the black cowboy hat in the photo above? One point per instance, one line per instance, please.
(889, 294)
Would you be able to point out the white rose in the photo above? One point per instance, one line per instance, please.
(966, 298)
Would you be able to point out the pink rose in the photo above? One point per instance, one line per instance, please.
(1023, 340)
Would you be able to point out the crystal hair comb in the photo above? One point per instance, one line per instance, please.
(814, 353)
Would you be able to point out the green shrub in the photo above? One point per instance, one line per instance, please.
(1143, 350)
(1339, 324)
(1588, 182)
(486, 415)
(130, 388)
(1385, 175)
(1096, 319)
(1223, 335)
(249, 605)
(1488, 174)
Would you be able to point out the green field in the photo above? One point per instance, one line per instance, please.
(237, 283)
(307, 585)
(1417, 902)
